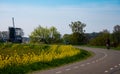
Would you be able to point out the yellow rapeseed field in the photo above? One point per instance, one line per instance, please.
(53, 52)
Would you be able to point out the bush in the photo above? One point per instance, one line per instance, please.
(100, 40)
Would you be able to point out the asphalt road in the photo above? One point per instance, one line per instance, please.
(103, 62)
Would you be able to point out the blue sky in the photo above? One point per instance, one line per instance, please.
(59, 2)
(28, 14)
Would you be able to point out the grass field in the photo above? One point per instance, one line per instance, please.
(23, 58)
(117, 48)
(104, 47)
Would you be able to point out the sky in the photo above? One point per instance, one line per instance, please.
(29, 14)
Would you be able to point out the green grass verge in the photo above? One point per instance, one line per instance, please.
(117, 48)
(104, 47)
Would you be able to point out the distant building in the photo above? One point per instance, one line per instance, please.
(4, 36)
(26, 40)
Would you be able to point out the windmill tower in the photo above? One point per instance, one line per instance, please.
(13, 22)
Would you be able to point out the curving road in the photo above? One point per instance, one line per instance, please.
(104, 62)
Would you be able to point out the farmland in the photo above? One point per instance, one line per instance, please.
(23, 58)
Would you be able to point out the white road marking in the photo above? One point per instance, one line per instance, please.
(106, 71)
(115, 66)
(88, 63)
(58, 72)
(76, 67)
(82, 65)
(93, 61)
(119, 64)
(96, 60)
(111, 68)
(67, 69)
(105, 55)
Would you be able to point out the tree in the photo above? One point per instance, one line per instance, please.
(77, 27)
(44, 35)
(100, 40)
(40, 34)
(67, 38)
(53, 31)
(116, 29)
(78, 35)
(116, 35)
(77, 38)
(54, 35)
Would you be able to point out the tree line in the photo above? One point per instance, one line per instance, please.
(101, 37)
(77, 37)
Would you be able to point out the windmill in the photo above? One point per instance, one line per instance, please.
(15, 34)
